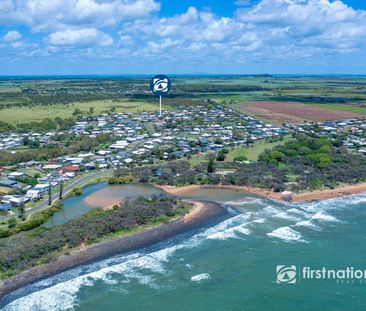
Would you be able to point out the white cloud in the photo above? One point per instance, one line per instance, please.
(17, 44)
(80, 37)
(270, 29)
(244, 2)
(51, 15)
(12, 35)
(312, 23)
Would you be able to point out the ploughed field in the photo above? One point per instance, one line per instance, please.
(292, 112)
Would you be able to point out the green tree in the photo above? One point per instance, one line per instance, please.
(12, 222)
(3, 213)
(211, 166)
(221, 156)
(21, 210)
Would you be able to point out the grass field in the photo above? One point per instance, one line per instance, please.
(347, 93)
(31, 172)
(349, 108)
(251, 153)
(38, 113)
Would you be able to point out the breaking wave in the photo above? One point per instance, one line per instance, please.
(287, 234)
(287, 223)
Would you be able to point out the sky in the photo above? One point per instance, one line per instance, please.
(76, 37)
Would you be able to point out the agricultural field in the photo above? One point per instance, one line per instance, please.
(274, 98)
(292, 112)
(40, 112)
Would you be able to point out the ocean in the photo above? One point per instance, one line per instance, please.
(230, 265)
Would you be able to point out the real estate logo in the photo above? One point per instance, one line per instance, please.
(160, 85)
(286, 274)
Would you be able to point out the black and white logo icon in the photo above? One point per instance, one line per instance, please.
(286, 274)
(160, 85)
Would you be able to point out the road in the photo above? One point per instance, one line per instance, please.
(67, 189)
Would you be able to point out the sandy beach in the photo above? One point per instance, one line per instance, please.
(330, 193)
(296, 197)
(202, 214)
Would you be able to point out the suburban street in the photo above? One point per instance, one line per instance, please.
(67, 189)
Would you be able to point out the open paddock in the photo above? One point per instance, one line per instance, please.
(292, 112)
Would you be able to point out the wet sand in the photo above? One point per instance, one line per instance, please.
(202, 214)
(277, 196)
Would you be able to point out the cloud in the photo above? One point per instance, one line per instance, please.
(272, 29)
(17, 44)
(312, 23)
(12, 35)
(51, 15)
(79, 37)
(266, 31)
(243, 2)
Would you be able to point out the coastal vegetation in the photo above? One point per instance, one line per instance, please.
(35, 220)
(41, 245)
(77, 191)
(303, 163)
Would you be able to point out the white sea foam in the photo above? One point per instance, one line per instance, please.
(260, 221)
(240, 229)
(334, 203)
(138, 267)
(298, 212)
(323, 216)
(221, 227)
(200, 277)
(286, 216)
(307, 224)
(270, 210)
(62, 296)
(222, 235)
(239, 202)
(286, 234)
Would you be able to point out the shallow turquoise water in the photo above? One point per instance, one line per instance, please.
(228, 266)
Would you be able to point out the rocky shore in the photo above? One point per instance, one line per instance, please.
(200, 215)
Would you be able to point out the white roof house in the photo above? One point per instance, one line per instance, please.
(14, 175)
(33, 194)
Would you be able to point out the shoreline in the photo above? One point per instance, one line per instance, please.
(202, 214)
(316, 195)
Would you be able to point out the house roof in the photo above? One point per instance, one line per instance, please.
(71, 168)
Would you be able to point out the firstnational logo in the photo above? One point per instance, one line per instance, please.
(293, 274)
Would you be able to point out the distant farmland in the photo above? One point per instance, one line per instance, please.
(291, 112)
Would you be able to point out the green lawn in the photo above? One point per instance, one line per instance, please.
(198, 158)
(38, 113)
(252, 153)
(32, 171)
(341, 107)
